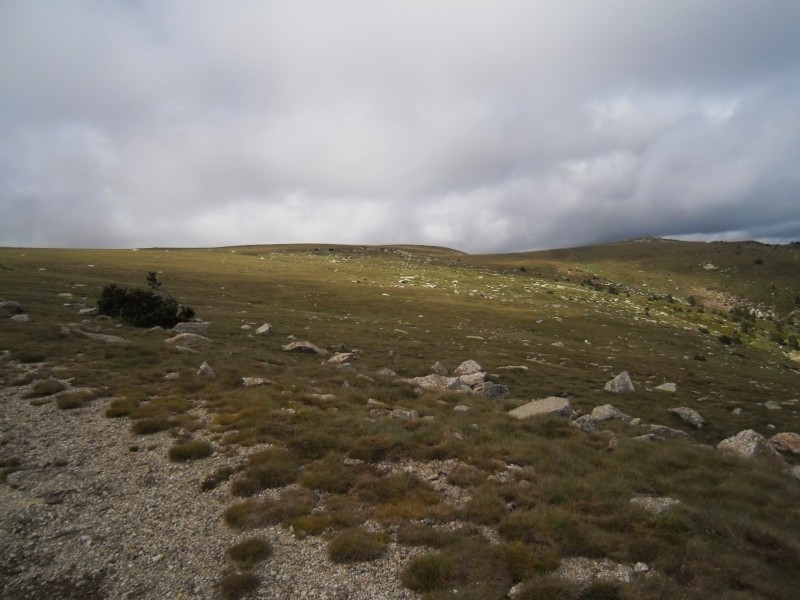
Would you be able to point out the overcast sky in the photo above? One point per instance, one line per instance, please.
(484, 126)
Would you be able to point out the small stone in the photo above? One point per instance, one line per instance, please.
(461, 408)
(688, 415)
(404, 414)
(771, 405)
(608, 412)
(467, 367)
(187, 339)
(305, 347)
(265, 329)
(655, 505)
(21, 318)
(206, 371)
(196, 327)
(585, 423)
(438, 368)
(171, 376)
(253, 381)
(621, 384)
(667, 387)
(88, 312)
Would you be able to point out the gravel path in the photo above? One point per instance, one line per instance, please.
(86, 517)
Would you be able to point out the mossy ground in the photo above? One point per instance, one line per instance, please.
(574, 318)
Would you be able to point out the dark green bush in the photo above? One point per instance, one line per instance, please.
(143, 308)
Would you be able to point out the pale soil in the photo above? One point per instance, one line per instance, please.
(86, 517)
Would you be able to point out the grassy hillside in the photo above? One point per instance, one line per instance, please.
(564, 321)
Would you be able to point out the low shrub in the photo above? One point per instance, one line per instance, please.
(221, 475)
(270, 468)
(249, 552)
(328, 475)
(121, 407)
(143, 308)
(429, 572)
(190, 450)
(48, 387)
(250, 514)
(72, 400)
(238, 585)
(150, 425)
(356, 545)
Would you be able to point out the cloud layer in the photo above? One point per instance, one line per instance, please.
(486, 126)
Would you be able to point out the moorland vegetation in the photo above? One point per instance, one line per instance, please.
(356, 453)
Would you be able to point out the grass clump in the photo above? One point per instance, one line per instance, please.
(252, 514)
(238, 585)
(150, 425)
(429, 572)
(270, 468)
(121, 407)
(72, 400)
(221, 475)
(249, 552)
(48, 387)
(329, 474)
(549, 588)
(356, 545)
(190, 450)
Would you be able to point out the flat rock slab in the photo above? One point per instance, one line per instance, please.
(688, 415)
(608, 412)
(655, 505)
(306, 347)
(197, 327)
(553, 406)
(187, 339)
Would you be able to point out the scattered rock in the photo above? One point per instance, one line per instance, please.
(404, 414)
(793, 471)
(206, 371)
(187, 339)
(171, 376)
(608, 412)
(265, 329)
(377, 404)
(772, 405)
(435, 382)
(689, 415)
(100, 337)
(9, 307)
(341, 358)
(461, 408)
(585, 571)
(439, 369)
(21, 318)
(491, 391)
(585, 423)
(749, 444)
(621, 384)
(385, 372)
(254, 381)
(472, 379)
(655, 505)
(88, 312)
(667, 387)
(786, 442)
(196, 327)
(520, 368)
(305, 347)
(553, 406)
(467, 367)
(321, 397)
(662, 431)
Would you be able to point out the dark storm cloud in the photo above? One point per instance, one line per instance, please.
(485, 126)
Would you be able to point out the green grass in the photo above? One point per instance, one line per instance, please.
(614, 307)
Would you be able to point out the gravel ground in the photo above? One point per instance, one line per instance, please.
(86, 517)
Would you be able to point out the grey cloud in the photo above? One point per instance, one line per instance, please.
(486, 126)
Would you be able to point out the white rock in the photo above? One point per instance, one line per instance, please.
(621, 384)
(554, 406)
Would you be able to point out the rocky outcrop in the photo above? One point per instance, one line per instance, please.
(467, 367)
(552, 406)
(749, 444)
